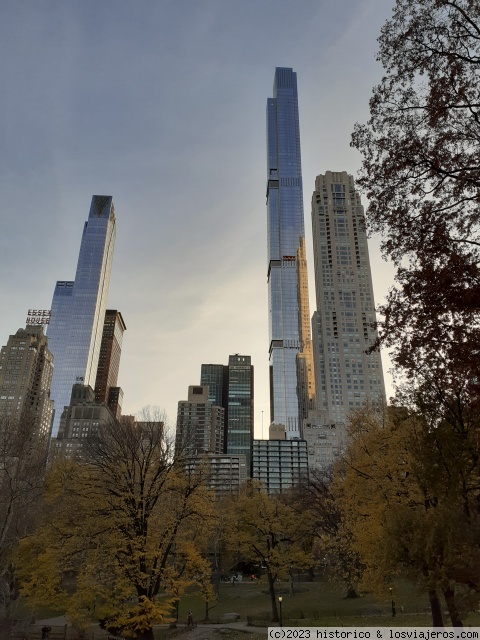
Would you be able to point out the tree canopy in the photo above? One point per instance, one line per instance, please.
(267, 529)
(421, 174)
(408, 497)
(22, 465)
(123, 533)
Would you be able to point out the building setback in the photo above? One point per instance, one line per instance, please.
(26, 367)
(343, 326)
(78, 308)
(287, 288)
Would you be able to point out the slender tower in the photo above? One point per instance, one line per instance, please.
(78, 308)
(286, 237)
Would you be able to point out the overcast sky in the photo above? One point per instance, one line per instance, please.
(161, 104)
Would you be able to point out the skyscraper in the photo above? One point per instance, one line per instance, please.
(78, 308)
(215, 377)
(231, 387)
(106, 390)
(239, 432)
(289, 337)
(26, 367)
(343, 325)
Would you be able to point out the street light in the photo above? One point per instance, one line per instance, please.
(280, 600)
(394, 612)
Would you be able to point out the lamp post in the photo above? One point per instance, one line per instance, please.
(394, 612)
(280, 600)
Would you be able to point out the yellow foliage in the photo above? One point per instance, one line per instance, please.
(407, 497)
(123, 535)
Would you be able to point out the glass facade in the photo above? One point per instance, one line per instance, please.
(78, 308)
(240, 407)
(279, 464)
(215, 377)
(343, 325)
(285, 236)
(231, 387)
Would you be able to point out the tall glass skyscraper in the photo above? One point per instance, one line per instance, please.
(287, 291)
(78, 308)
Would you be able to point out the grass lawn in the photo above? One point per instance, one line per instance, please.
(319, 603)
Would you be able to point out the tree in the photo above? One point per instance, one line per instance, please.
(265, 528)
(421, 173)
(408, 494)
(332, 542)
(22, 466)
(118, 540)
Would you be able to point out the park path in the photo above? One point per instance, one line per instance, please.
(205, 631)
(199, 632)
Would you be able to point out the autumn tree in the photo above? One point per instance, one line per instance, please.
(421, 174)
(118, 540)
(408, 492)
(22, 466)
(265, 528)
(331, 540)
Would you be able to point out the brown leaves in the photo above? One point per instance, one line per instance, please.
(421, 172)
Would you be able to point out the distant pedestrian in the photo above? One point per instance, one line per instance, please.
(46, 632)
(190, 619)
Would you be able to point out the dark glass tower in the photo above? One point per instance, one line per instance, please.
(231, 387)
(78, 308)
(239, 432)
(106, 390)
(286, 233)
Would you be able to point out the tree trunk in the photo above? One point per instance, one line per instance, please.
(351, 593)
(449, 594)
(273, 600)
(436, 609)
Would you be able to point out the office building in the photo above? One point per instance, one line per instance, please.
(106, 390)
(26, 367)
(215, 377)
(287, 288)
(200, 424)
(239, 432)
(279, 465)
(231, 386)
(343, 326)
(78, 308)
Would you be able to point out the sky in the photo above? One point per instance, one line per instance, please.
(161, 104)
